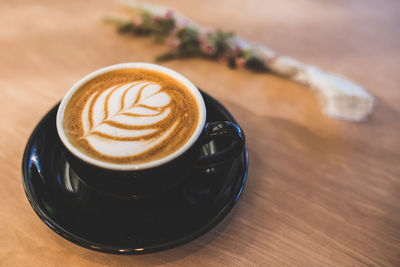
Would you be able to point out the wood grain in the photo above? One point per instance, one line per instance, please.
(320, 192)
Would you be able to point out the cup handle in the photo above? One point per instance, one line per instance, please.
(222, 129)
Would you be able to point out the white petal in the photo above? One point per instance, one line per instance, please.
(149, 90)
(157, 100)
(132, 93)
(141, 111)
(114, 102)
(98, 108)
(118, 132)
(139, 121)
(125, 148)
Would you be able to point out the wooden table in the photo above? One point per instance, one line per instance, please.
(320, 192)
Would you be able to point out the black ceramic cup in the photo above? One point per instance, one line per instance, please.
(146, 180)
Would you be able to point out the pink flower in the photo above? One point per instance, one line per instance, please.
(237, 49)
(240, 62)
(137, 21)
(205, 35)
(169, 14)
(173, 40)
(207, 48)
(182, 23)
(173, 43)
(156, 18)
(203, 38)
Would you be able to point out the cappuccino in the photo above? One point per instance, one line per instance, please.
(130, 116)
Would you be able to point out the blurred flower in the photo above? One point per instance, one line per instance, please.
(137, 21)
(202, 38)
(173, 42)
(237, 50)
(182, 23)
(206, 43)
(169, 14)
(184, 38)
(240, 62)
(207, 48)
(156, 18)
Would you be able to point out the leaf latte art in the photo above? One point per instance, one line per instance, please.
(119, 120)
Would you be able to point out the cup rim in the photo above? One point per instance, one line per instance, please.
(138, 166)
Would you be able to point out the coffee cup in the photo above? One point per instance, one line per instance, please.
(134, 130)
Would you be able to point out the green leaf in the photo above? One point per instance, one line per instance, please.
(162, 28)
(166, 56)
(126, 27)
(190, 44)
(255, 64)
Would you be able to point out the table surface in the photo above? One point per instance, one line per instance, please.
(320, 191)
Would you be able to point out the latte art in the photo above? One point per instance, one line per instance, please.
(125, 120)
(130, 116)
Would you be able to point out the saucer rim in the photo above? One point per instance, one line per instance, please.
(57, 228)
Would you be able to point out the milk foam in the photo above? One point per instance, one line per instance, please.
(124, 120)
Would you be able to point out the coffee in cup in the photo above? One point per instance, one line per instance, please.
(130, 116)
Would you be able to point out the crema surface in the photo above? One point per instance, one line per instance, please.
(130, 116)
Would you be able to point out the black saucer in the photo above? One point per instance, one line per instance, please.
(94, 221)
